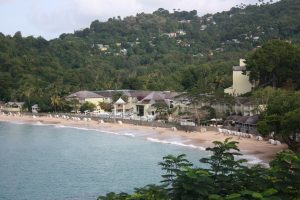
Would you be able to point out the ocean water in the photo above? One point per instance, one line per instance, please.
(62, 163)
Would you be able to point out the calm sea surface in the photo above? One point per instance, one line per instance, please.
(48, 162)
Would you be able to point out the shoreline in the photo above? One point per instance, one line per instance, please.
(253, 150)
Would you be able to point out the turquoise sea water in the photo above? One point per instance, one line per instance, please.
(56, 163)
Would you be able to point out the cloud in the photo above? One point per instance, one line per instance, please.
(56, 18)
(6, 1)
(105, 9)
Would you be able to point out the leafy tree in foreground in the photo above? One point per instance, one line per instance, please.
(223, 178)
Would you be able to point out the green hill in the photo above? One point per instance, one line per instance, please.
(159, 51)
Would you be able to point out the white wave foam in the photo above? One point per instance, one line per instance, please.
(109, 132)
(98, 130)
(17, 122)
(175, 143)
(252, 160)
(61, 126)
(128, 134)
(38, 123)
(74, 127)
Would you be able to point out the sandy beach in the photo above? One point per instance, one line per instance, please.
(257, 151)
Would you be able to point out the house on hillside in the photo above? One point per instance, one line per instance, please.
(171, 35)
(102, 47)
(240, 81)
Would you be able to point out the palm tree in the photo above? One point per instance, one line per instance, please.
(27, 91)
(55, 101)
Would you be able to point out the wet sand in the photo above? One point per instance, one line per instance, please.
(251, 148)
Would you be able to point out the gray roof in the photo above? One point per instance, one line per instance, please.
(84, 94)
(105, 93)
(15, 103)
(120, 101)
(239, 68)
(250, 120)
(247, 101)
(158, 97)
(171, 95)
(130, 93)
(139, 93)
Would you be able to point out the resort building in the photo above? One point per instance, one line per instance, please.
(147, 107)
(245, 124)
(35, 108)
(13, 106)
(85, 96)
(242, 106)
(134, 103)
(240, 80)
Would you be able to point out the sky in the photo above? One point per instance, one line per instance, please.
(50, 18)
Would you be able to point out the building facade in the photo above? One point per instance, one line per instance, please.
(240, 80)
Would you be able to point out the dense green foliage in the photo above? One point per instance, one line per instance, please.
(276, 63)
(87, 106)
(282, 116)
(224, 178)
(140, 54)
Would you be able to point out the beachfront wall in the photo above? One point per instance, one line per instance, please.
(163, 125)
(5, 109)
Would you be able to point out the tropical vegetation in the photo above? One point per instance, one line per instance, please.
(163, 50)
(222, 177)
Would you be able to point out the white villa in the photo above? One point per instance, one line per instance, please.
(146, 106)
(241, 83)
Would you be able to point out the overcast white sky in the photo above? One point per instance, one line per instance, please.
(50, 18)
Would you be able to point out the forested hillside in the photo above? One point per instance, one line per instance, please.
(164, 50)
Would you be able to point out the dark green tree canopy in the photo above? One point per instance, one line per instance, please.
(282, 117)
(165, 50)
(276, 63)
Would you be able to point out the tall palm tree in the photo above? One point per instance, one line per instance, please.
(28, 91)
(56, 101)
